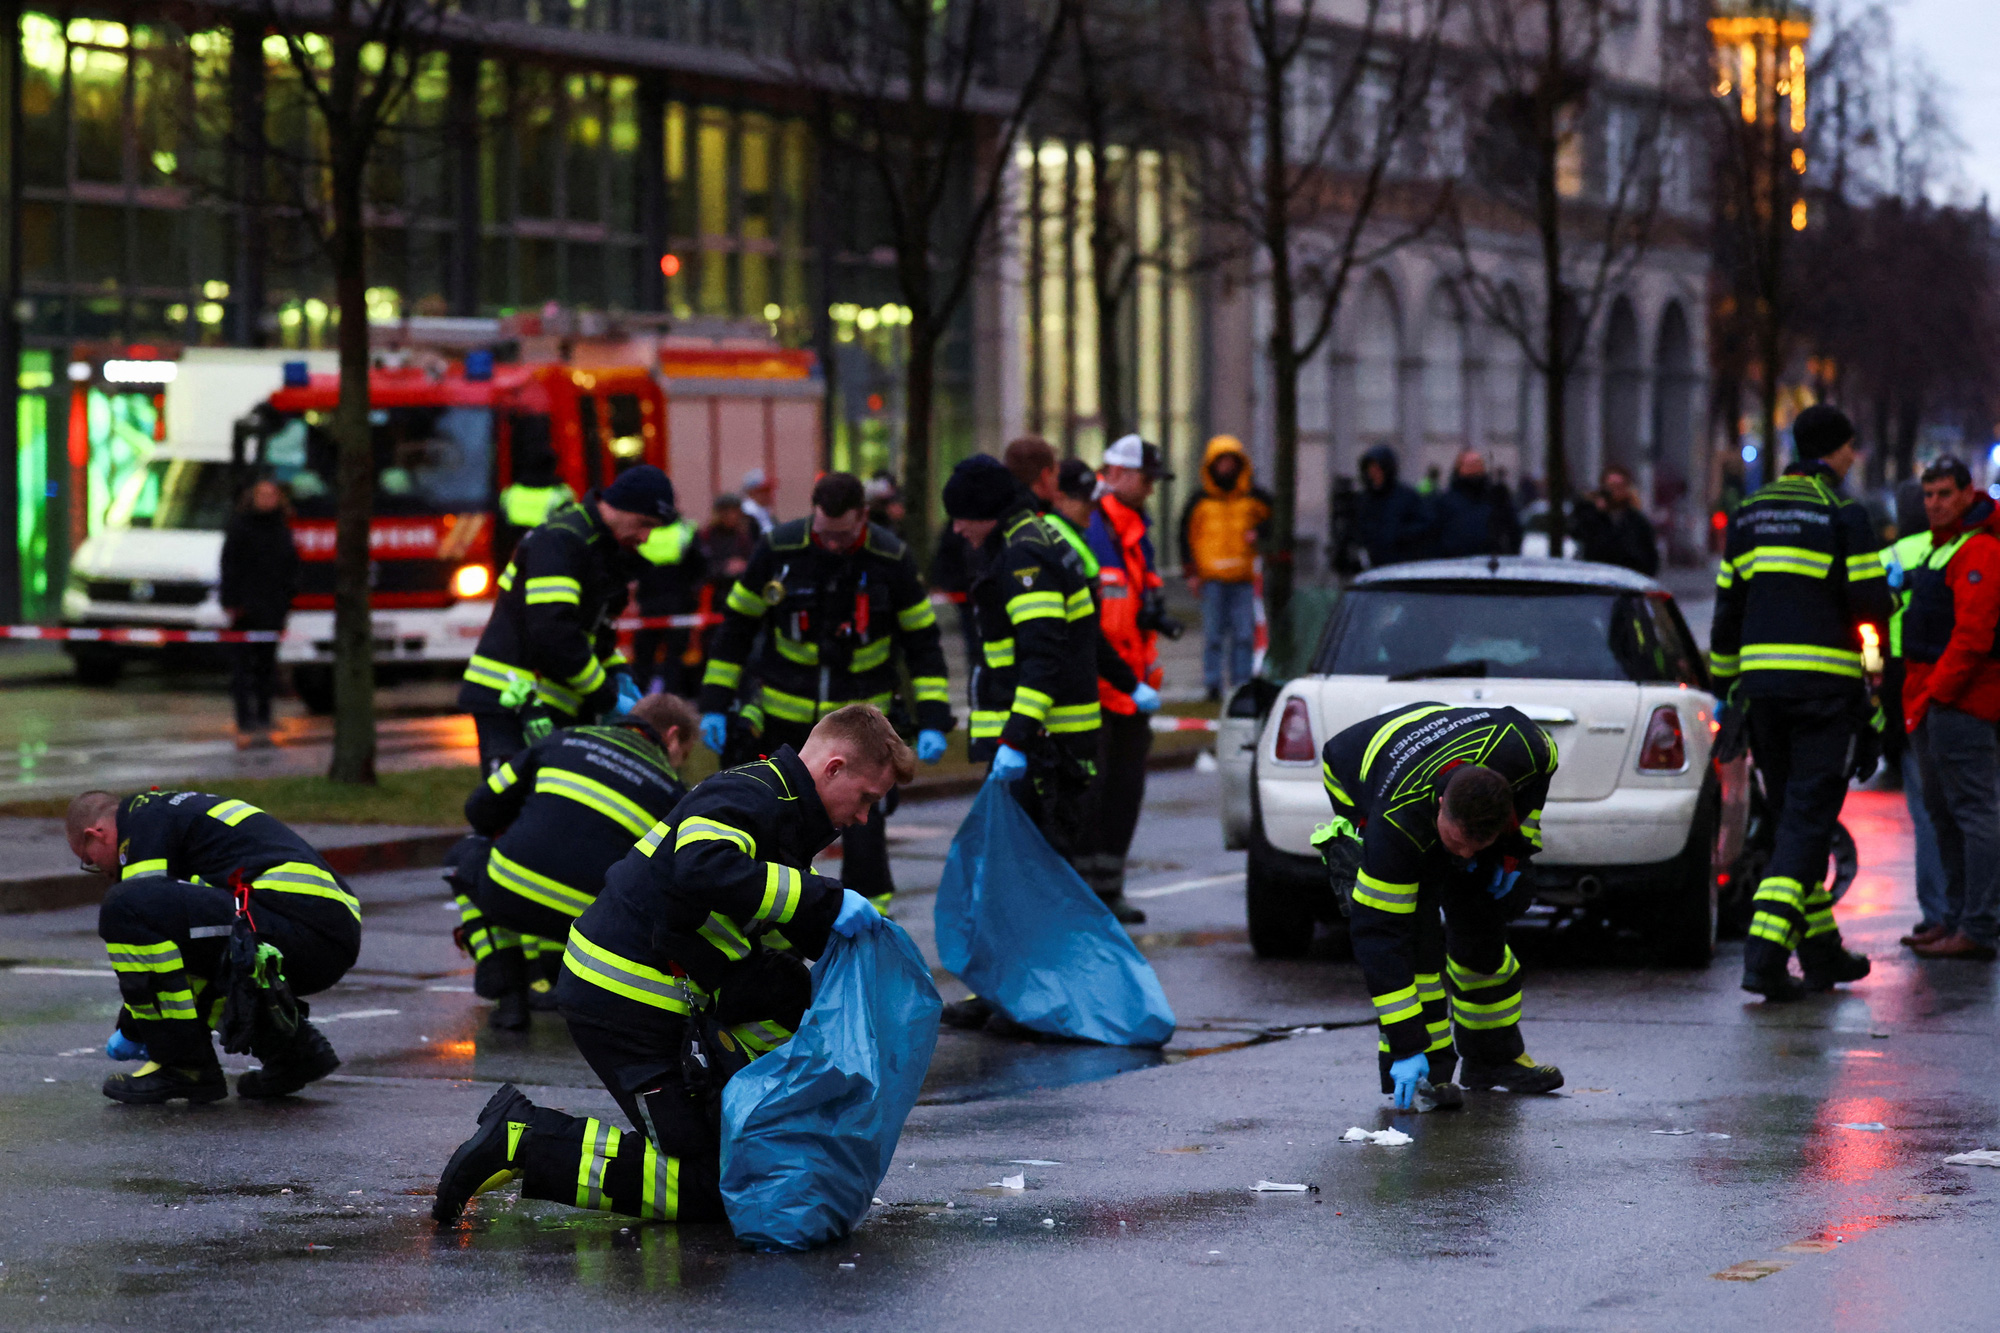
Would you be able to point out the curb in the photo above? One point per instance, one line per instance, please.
(53, 893)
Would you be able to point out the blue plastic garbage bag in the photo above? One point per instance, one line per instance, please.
(1017, 925)
(809, 1129)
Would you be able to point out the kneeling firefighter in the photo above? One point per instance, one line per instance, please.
(547, 826)
(1435, 811)
(221, 917)
(686, 968)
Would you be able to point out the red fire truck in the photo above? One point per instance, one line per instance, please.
(446, 446)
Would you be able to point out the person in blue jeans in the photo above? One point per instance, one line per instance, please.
(1220, 532)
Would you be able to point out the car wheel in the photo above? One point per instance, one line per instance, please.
(98, 666)
(1685, 918)
(314, 686)
(1277, 896)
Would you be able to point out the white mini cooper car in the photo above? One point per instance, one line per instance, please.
(1640, 828)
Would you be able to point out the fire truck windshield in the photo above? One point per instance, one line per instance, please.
(428, 460)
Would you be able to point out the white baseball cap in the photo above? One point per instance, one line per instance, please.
(754, 478)
(1129, 451)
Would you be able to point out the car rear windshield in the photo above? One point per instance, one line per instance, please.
(1512, 630)
(428, 460)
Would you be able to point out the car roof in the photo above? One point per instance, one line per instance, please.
(1510, 569)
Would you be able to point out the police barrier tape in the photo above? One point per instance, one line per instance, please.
(139, 635)
(1164, 723)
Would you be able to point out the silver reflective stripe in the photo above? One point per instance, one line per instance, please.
(210, 932)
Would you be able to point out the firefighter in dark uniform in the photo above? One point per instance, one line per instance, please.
(546, 827)
(835, 599)
(549, 655)
(1034, 682)
(1801, 574)
(1435, 811)
(179, 858)
(684, 969)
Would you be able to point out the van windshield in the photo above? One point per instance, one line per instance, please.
(428, 460)
(183, 493)
(1520, 631)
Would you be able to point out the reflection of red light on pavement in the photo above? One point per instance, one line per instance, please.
(1880, 824)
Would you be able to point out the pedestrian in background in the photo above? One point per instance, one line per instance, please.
(1613, 529)
(885, 502)
(1393, 522)
(1951, 702)
(260, 575)
(726, 546)
(1221, 529)
(1133, 615)
(1475, 515)
(669, 585)
(1907, 553)
(758, 493)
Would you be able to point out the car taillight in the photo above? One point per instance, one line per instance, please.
(471, 581)
(1295, 734)
(1665, 749)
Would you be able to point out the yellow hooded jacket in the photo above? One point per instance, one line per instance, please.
(1221, 527)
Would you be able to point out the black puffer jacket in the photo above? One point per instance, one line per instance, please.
(260, 569)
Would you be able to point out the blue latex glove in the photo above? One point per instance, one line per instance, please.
(856, 914)
(930, 745)
(1146, 699)
(628, 695)
(122, 1047)
(714, 731)
(1503, 881)
(1404, 1074)
(1008, 764)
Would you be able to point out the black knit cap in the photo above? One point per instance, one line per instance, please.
(1075, 479)
(644, 490)
(1819, 430)
(980, 488)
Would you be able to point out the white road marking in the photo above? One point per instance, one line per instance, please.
(450, 990)
(356, 1013)
(62, 971)
(1186, 886)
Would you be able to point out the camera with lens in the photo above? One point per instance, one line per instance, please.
(1153, 616)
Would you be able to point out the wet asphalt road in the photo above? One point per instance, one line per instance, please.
(1564, 1212)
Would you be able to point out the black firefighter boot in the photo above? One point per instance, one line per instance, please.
(1767, 971)
(486, 1160)
(502, 976)
(1827, 963)
(309, 1058)
(154, 1084)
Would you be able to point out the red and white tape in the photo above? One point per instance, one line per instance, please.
(1161, 722)
(141, 635)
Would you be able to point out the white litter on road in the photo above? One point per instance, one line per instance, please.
(1673, 1133)
(1017, 1181)
(1871, 1126)
(1383, 1138)
(1186, 886)
(1977, 1157)
(357, 1013)
(1032, 1161)
(1276, 1187)
(450, 990)
(62, 971)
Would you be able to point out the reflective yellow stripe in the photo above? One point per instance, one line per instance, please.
(661, 1186)
(492, 673)
(999, 653)
(987, 723)
(1531, 829)
(162, 957)
(596, 964)
(1724, 664)
(728, 939)
(931, 689)
(1795, 560)
(1031, 703)
(793, 650)
(1483, 1017)
(696, 829)
(1035, 606)
(1867, 566)
(744, 602)
(871, 656)
(760, 1038)
(589, 679)
(782, 887)
(916, 616)
(554, 588)
(176, 1004)
(654, 837)
(1078, 605)
(1397, 1005)
(1384, 895)
(303, 877)
(511, 875)
(1464, 978)
(600, 1145)
(557, 697)
(1333, 785)
(1430, 987)
(502, 779)
(1725, 577)
(232, 812)
(507, 577)
(1801, 657)
(140, 869)
(1072, 717)
(1389, 729)
(788, 707)
(727, 675)
(592, 794)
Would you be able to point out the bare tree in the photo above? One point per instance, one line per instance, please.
(352, 63)
(931, 95)
(1307, 134)
(1568, 153)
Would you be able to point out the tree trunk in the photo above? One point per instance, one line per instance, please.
(1555, 303)
(1280, 570)
(353, 634)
